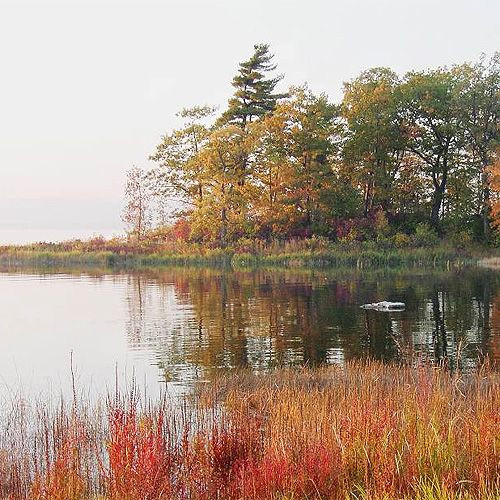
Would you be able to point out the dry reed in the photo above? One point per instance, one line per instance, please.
(362, 431)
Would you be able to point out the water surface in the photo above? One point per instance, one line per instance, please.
(176, 326)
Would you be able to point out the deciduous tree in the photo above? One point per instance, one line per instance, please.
(222, 214)
(374, 146)
(479, 102)
(431, 111)
(137, 212)
(179, 168)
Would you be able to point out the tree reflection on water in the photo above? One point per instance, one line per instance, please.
(195, 322)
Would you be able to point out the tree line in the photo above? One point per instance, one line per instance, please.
(398, 155)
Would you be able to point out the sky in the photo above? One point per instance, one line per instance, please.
(87, 88)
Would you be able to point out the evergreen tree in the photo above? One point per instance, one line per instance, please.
(254, 95)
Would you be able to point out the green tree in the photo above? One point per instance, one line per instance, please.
(254, 95)
(479, 116)
(313, 149)
(374, 146)
(430, 101)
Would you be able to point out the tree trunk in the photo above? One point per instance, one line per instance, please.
(223, 230)
(437, 200)
(439, 190)
(369, 195)
(485, 212)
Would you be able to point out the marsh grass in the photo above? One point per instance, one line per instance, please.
(363, 431)
(295, 254)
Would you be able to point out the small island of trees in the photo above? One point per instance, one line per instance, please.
(401, 160)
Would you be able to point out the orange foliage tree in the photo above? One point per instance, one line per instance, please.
(495, 191)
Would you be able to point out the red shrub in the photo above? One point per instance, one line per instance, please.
(140, 459)
(181, 230)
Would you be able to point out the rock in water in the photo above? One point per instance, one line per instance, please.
(385, 306)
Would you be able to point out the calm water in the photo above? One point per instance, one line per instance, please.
(176, 326)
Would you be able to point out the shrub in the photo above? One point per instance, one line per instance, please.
(461, 239)
(181, 230)
(401, 240)
(382, 228)
(356, 229)
(245, 246)
(425, 235)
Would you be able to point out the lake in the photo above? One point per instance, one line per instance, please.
(175, 326)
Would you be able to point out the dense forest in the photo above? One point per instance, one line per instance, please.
(400, 159)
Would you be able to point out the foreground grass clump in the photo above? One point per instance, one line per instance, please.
(364, 431)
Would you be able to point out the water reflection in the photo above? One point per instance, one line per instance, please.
(178, 325)
(194, 322)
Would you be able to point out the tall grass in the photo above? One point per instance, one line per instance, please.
(31, 257)
(364, 431)
(356, 257)
(293, 254)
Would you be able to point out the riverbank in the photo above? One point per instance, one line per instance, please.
(296, 255)
(362, 431)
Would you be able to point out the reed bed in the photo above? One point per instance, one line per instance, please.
(316, 258)
(361, 431)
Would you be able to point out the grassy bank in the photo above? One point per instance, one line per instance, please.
(288, 255)
(365, 431)
(356, 257)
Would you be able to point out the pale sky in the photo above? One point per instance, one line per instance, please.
(87, 88)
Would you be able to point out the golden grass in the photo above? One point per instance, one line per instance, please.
(364, 431)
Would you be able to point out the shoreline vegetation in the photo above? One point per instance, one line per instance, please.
(404, 170)
(307, 253)
(400, 160)
(361, 431)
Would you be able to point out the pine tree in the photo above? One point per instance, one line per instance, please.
(254, 95)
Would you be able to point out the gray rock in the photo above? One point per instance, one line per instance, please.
(385, 306)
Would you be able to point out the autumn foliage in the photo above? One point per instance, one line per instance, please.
(362, 431)
(414, 147)
(494, 182)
